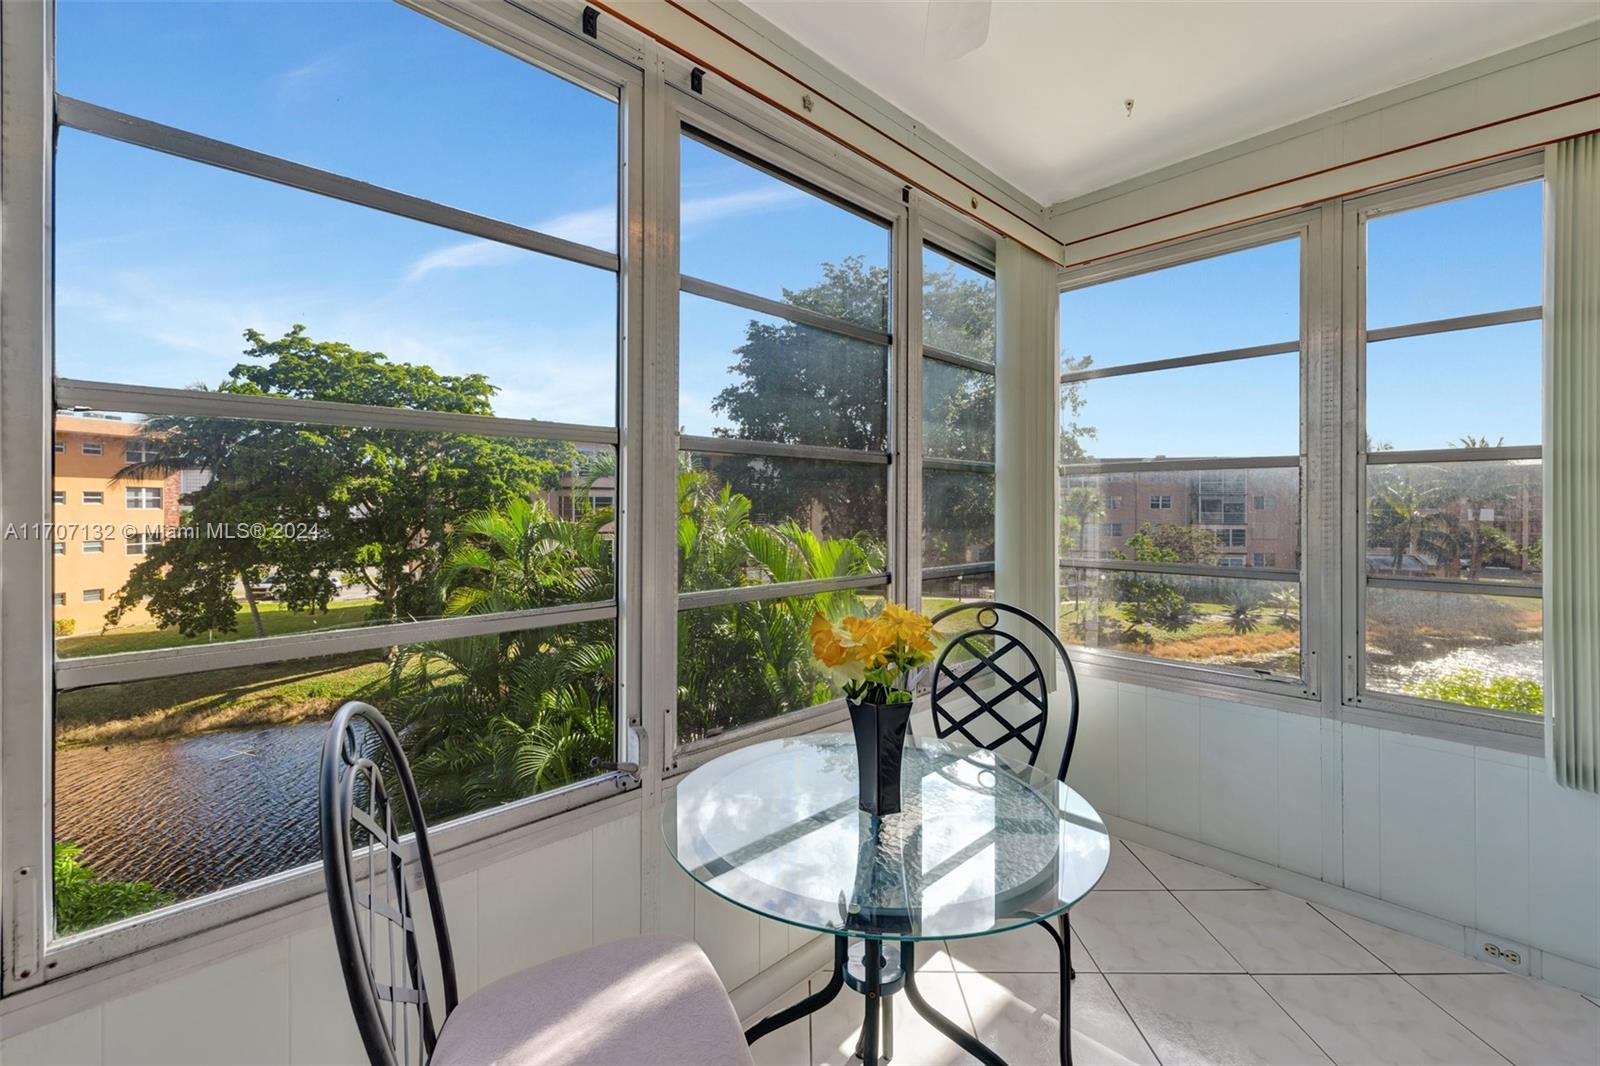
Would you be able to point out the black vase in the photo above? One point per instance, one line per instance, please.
(880, 730)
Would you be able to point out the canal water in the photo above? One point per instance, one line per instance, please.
(194, 814)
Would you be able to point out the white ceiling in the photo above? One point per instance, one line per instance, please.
(1041, 102)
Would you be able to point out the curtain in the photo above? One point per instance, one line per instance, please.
(1572, 462)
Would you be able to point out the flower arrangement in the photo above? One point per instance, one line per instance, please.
(872, 657)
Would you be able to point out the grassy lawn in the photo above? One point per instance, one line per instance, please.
(276, 619)
(245, 697)
(1210, 639)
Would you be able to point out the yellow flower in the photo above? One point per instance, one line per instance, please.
(825, 642)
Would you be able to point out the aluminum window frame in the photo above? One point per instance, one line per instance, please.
(32, 113)
(1355, 212)
(954, 239)
(1309, 228)
(722, 125)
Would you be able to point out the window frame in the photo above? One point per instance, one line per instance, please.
(1315, 350)
(1354, 213)
(782, 152)
(957, 241)
(33, 111)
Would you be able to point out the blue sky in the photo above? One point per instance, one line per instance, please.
(162, 263)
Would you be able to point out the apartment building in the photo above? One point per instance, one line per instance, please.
(102, 524)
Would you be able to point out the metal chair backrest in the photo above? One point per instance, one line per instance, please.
(369, 896)
(990, 683)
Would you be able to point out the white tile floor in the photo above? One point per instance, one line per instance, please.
(1179, 963)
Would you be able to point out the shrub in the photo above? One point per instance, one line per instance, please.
(65, 627)
(1471, 688)
(83, 901)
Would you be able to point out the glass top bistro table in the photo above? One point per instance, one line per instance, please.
(982, 845)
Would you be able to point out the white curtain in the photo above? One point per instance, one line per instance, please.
(1572, 462)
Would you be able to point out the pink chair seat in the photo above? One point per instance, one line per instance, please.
(646, 1001)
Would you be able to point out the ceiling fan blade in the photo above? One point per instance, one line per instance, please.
(955, 27)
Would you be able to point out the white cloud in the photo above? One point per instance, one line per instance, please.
(706, 209)
(462, 255)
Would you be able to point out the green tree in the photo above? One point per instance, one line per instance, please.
(489, 719)
(306, 504)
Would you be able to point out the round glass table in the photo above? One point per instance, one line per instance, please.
(982, 845)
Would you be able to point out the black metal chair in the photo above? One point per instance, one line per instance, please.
(653, 999)
(992, 687)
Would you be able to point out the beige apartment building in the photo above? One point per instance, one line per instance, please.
(102, 525)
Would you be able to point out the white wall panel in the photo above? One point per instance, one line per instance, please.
(70, 1041)
(1133, 801)
(535, 906)
(1565, 853)
(1172, 746)
(321, 1029)
(233, 1011)
(617, 896)
(1299, 799)
(1094, 764)
(1501, 846)
(1426, 825)
(1362, 809)
(1238, 769)
(730, 936)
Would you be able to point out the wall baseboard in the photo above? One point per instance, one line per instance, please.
(1447, 934)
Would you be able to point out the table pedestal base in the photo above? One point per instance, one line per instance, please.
(878, 969)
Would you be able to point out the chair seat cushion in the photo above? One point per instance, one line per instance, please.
(646, 1001)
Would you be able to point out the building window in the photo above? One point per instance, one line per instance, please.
(60, 447)
(958, 427)
(59, 496)
(1113, 503)
(1152, 358)
(94, 547)
(59, 599)
(783, 318)
(138, 543)
(356, 542)
(1258, 559)
(93, 499)
(1265, 503)
(58, 547)
(93, 447)
(1450, 490)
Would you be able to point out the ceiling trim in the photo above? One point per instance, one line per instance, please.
(1466, 147)
(674, 26)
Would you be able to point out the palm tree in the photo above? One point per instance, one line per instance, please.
(1409, 518)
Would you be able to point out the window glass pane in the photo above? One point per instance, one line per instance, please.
(748, 520)
(162, 265)
(757, 377)
(1243, 624)
(1239, 300)
(1243, 408)
(1442, 390)
(1466, 256)
(748, 662)
(180, 786)
(1475, 521)
(941, 592)
(957, 412)
(1196, 517)
(957, 517)
(1480, 651)
(372, 91)
(957, 307)
(744, 228)
(266, 529)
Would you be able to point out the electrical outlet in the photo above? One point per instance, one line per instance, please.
(1502, 953)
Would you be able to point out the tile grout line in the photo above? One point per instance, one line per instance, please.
(1318, 912)
(1129, 1014)
(1285, 1011)
(1451, 1015)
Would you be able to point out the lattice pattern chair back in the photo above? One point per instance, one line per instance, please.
(369, 895)
(992, 666)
